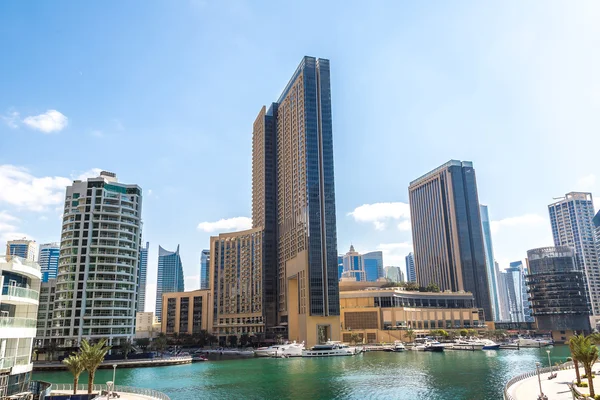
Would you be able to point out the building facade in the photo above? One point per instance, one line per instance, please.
(97, 280)
(513, 280)
(48, 260)
(489, 262)
(141, 306)
(20, 281)
(447, 232)
(353, 265)
(557, 292)
(27, 249)
(146, 325)
(294, 202)
(571, 220)
(236, 265)
(394, 274)
(186, 312)
(385, 314)
(205, 269)
(340, 266)
(169, 276)
(373, 265)
(45, 310)
(411, 274)
(502, 294)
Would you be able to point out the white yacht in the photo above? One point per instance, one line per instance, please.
(475, 344)
(530, 342)
(281, 350)
(428, 345)
(398, 347)
(331, 349)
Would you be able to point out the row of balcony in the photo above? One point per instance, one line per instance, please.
(15, 291)
(15, 322)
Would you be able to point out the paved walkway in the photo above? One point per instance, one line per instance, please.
(124, 396)
(555, 389)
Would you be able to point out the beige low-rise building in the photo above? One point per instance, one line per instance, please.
(186, 312)
(146, 325)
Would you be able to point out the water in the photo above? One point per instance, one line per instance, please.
(451, 375)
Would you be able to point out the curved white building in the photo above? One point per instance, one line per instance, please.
(19, 299)
(98, 273)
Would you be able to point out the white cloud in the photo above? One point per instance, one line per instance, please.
(380, 213)
(395, 253)
(50, 121)
(11, 119)
(226, 225)
(587, 182)
(9, 229)
(526, 220)
(21, 189)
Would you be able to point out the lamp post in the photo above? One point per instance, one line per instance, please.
(541, 396)
(114, 374)
(549, 362)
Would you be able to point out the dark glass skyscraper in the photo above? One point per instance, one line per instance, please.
(447, 232)
(294, 201)
(204, 269)
(142, 277)
(170, 276)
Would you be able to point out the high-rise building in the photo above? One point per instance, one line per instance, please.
(489, 261)
(513, 278)
(353, 265)
(27, 249)
(169, 276)
(236, 266)
(97, 281)
(142, 281)
(394, 274)
(502, 294)
(340, 266)
(571, 221)
(527, 317)
(293, 200)
(204, 269)
(447, 232)
(20, 281)
(596, 222)
(411, 274)
(48, 260)
(373, 265)
(43, 334)
(557, 292)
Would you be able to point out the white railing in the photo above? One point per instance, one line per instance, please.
(507, 396)
(155, 394)
(15, 291)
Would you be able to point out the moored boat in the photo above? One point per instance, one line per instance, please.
(531, 342)
(331, 349)
(281, 350)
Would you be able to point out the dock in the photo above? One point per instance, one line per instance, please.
(148, 362)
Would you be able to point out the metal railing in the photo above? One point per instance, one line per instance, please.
(16, 291)
(9, 362)
(155, 394)
(12, 322)
(507, 396)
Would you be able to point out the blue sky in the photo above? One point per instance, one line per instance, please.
(165, 94)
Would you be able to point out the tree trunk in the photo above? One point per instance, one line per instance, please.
(576, 364)
(588, 371)
(90, 381)
(75, 383)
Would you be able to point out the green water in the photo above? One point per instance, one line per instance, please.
(452, 375)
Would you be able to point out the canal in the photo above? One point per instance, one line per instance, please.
(451, 375)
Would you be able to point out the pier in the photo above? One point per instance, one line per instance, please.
(149, 362)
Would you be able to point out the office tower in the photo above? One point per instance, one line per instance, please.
(513, 278)
(236, 267)
(27, 249)
(373, 265)
(97, 280)
(20, 282)
(48, 260)
(293, 200)
(142, 281)
(394, 274)
(447, 233)
(340, 266)
(557, 291)
(489, 261)
(169, 276)
(524, 295)
(502, 294)
(596, 222)
(205, 269)
(353, 265)
(571, 220)
(411, 275)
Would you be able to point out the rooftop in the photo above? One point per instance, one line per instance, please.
(451, 163)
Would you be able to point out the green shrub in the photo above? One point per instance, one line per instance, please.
(582, 384)
(585, 376)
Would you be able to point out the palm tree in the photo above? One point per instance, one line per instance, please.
(574, 344)
(355, 338)
(160, 343)
(92, 356)
(126, 347)
(74, 364)
(410, 334)
(586, 352)
(463, 332)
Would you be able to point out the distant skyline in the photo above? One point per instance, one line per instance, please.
(166, 94)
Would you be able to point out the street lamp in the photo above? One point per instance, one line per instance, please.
(114, 373)
(541, 396)
(549, 362)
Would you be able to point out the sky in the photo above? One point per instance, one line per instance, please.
(165, 93)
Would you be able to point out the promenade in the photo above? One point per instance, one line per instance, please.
(154, 362)
(555, 389)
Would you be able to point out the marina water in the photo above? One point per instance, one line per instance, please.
(451, 375)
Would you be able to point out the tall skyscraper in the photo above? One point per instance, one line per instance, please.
(205, 269)
(142, 281)
(447, 233)
(489, 261)
(353, 265)
(394, 274)
(97, 281)
(411, 274)
(373, 265)
(527, 317)
(571, 220)
(48, 260)
(293, 200)
(27, 249)
(169, 276)
(502, 293)
(513, 278)
(557, 290)
(596, 222)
